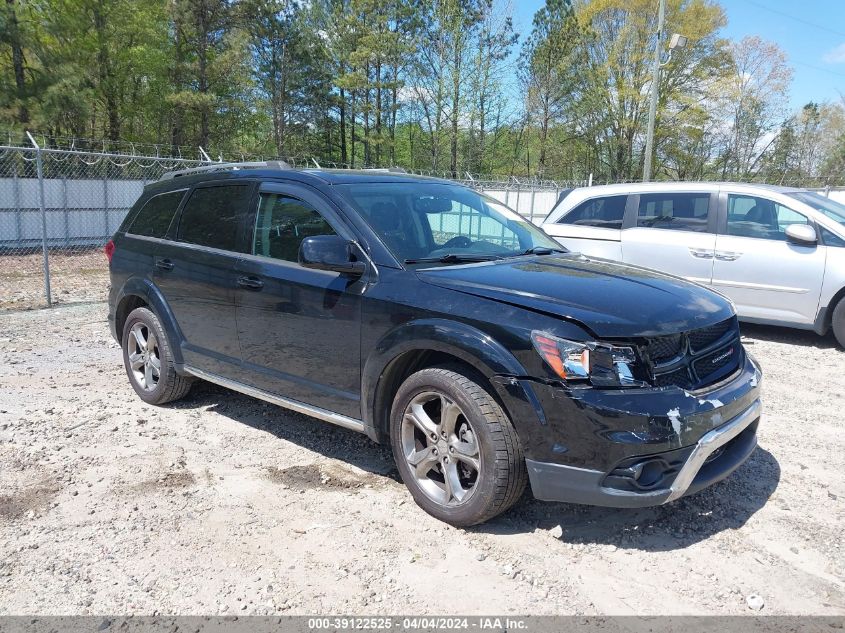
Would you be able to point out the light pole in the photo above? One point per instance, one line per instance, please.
(677, 41)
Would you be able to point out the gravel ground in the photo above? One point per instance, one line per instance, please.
(75, 276)
(223, 504)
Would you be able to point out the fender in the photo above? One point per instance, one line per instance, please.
(471, 345)
(150, 293)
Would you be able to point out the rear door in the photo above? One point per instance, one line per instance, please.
(767, 277)
(674, 232)
(593, 227)
(299, 328)
(196, 273)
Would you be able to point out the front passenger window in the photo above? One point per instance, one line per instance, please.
(750, 216)
(282, 223)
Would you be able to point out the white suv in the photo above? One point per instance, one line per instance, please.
(778, 253)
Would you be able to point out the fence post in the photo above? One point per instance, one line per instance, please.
(66, 212)
(18, 218)
(533, 193)
(42, 204)
(106, 200)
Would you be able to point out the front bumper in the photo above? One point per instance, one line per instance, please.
(737, 438)
(631, 447)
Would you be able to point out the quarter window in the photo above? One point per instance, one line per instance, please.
(674, 211)
(750, 216)
(829, 238)
(155, 216)
(213, 215)
(282, 223)
(601, 212)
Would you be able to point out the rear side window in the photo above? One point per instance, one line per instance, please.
(282, 223)
(606, 213)
(155, 216)
(674, 211)
(213, 215)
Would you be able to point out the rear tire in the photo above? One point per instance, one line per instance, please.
(148, 360)
(455, 448)
(838, 322)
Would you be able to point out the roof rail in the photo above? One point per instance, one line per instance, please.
(267, 164)
(390, 170)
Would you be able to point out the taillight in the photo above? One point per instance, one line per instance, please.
(109, 249)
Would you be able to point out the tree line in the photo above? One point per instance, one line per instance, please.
(441, 85)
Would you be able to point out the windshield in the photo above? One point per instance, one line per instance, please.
(832, 209)
(429, 221)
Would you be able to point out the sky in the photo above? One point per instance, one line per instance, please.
(811, 32)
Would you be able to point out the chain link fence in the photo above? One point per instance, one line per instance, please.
(59, 207)
(60, 204)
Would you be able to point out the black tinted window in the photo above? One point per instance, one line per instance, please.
(154, 217)
(674, 211)
(282, 223)
(212, 215)
(603, 212)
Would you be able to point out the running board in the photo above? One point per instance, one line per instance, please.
(293, 405)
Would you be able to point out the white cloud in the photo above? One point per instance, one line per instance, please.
(835, 55)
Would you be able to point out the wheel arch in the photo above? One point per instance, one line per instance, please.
(428, 343)
(825, 317)
(137, 293)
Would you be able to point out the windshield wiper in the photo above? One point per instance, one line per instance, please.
(454, 258)
(543, 250)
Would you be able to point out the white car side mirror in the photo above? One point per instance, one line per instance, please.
(802, 234)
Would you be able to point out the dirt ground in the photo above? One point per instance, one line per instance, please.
(75, 277)
(221, 504)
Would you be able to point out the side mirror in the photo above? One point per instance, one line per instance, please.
(330, 252)
(801, 235)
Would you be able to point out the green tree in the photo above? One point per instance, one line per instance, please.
(550, 72)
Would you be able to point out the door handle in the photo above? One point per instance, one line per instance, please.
(164, 264)
(701, 253)
(726, 256)
(250, 283)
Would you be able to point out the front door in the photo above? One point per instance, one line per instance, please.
(673, 232)
(299, 328)
(196, 273)
(767, 277)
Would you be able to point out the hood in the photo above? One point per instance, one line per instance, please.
(606, 298)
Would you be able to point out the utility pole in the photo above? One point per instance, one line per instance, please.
(655, 80)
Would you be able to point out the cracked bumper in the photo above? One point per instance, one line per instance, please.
(715, 456)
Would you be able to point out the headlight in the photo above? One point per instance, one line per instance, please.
(599, 364)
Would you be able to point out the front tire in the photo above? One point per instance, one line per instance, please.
(148, 360)
(838, 322)
(455, 448)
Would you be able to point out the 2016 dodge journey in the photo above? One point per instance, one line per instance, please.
(432, 317)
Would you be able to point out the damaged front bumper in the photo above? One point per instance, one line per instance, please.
(715, 456)
(636, 448)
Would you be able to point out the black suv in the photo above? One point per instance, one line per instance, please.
(430, 316)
